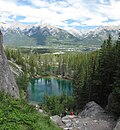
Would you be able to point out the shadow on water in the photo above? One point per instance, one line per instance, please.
(32, 85)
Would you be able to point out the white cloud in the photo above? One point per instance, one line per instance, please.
(40, 3)
(82, 12)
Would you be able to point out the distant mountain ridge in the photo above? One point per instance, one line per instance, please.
(98, 35)
(36, 35)
(18, 34)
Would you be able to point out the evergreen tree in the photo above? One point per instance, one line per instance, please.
(116, 84)
(103, 77)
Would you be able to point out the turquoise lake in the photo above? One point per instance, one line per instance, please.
(37, 88)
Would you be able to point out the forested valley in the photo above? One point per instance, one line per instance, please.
(94, 74)
(59, 64)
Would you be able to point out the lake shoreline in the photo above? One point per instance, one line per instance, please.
(57, 76)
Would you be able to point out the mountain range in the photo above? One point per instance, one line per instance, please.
(17, 34)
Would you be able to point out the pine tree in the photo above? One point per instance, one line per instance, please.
(116, 85)
(102, 80)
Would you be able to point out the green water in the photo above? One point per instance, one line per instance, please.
(51, 86)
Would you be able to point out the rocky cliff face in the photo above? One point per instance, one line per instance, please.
(7, 80)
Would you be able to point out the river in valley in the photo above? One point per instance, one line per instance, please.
(37, 88)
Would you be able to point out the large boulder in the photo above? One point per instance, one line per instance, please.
(117, 127)
(7, 80)
(96, 112)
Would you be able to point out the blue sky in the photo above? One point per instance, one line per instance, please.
(68, 14)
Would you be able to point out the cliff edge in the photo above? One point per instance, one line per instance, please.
(7, 80)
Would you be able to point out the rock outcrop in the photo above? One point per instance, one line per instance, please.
(95, 112)
(93, 117)
(7, 80)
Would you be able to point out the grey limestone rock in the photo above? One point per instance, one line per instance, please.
(93, 117)
(7, 80)
(57, 120)
(77, 123)
(94, 111)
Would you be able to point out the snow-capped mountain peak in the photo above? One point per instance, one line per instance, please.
(44, 34)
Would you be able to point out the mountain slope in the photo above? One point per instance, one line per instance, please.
(17, 38)
(98, 35)
(33, 35)
(37, 35)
